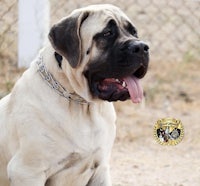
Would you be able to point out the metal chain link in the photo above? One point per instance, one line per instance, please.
(55, 85)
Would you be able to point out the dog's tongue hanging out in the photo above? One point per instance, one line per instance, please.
(134, 88)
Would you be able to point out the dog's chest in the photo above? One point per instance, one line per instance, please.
(83, 144)
(91, 129)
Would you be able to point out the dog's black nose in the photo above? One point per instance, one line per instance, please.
(139, 47)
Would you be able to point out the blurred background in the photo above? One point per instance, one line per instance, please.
(172, 87)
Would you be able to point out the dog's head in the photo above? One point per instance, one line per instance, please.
(102, 47)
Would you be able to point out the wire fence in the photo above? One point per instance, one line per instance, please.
(8, 31)
(172, 28)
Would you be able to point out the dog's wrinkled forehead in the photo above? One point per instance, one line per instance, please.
(100, 15)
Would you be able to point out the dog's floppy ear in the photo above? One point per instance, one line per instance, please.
(65, 37)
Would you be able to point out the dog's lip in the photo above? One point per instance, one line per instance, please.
(129, 83)
(120, 83)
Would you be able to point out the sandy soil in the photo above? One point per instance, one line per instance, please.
(172, 90)
(139, 160)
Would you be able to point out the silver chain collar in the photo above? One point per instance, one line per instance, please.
(47, 76)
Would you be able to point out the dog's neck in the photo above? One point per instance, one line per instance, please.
(52, 82)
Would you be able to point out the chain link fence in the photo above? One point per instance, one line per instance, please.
(8, 31)
(172, 28)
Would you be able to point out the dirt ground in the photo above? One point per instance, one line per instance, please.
(171, 90)
(137, 159)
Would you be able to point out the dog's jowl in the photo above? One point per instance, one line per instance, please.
(57, 126)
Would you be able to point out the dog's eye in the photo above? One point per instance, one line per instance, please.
(107, 33)
(132, 30)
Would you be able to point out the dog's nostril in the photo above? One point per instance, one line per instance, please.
(140, 47)
(146, 48)
(136, 49)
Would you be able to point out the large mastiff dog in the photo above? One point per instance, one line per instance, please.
(57, 126)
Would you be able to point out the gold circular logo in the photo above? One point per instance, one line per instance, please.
(168, 131)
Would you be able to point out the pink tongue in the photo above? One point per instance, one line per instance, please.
(134, 88)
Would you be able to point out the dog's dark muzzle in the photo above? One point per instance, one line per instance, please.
(116, 77)
(131, 57)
